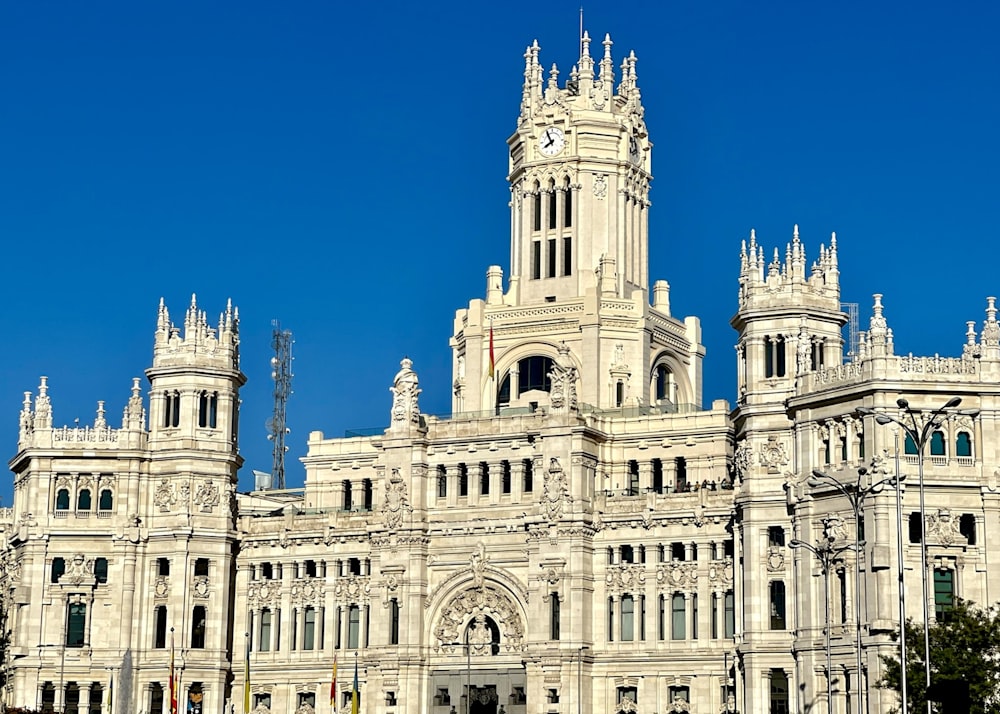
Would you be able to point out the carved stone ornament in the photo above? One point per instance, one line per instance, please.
(161, 587)
(201, 589)
(601, 186)
(773, 455)
(554, 490)
(679, 705)
(563, 380)
(355, 589)
(405, 391)
(677, 574)
(305, 709)
(742, 459)
(626, 705)
(396, 502)
(943, 529)
(207, 496)
(164, 496)
(775, 559)
(625, 578)
(306, 592)
(261, 709)
(472, 602)
(263, 593)
(834, 530)
(720, 572)
(477, 562)
(78, 570)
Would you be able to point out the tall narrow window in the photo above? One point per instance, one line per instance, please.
(536, 259)
(567, 205)
(551, 262)
(657, 476)
(529, 470)
(642, 617)
(159, 627)
(963, 444)
(967, 527)
(208, 409)
(171, 409)
(347, 495)
(661, 619)
(76, 625)
(552, 205)
(442, 482)
(367, 493)
(842, 589)
(155, 698)
(915, 527)
(777, 599)
(62, 499)
(163, 566)
(505, 477)
(484, 478)
(198, 627)
(779, 345)
(694, 616)
(106, 500)
(554, 616)
(309, 628)
(937, 443)
(83, 500)
(944, 594)
(567, 255)
(265, 630)
(633, 478)
(910, 446)
(779, 692)
(678, 615)
(536, 208)
(463, 480)
(680, 467)
(393, 621)
(101, 570)
(611, 619)
(715, 616)
(768, 356)
(730, 614)
(619, 393)
(353, 627)
(58, 569)
(628, 619)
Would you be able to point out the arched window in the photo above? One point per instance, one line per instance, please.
(208, 409)
(910, 446)
(664, 384)
(937, 443)
(107, 501)
(83, 500)
(62, 499)
(536, 207)
(567, 205)
(963, 444)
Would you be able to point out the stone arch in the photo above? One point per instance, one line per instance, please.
(668, 359)
(511, 357)
(460, 612)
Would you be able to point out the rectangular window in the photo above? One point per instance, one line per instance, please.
(201, 567)
(58, 569)
(353, 627)
(642, 617)
(442, 482)
(568, 208)
(554, 616)
(777, 598)
(505, 476)
(528, 476)
(694, 616)
(159, 627)
(628, 618)
(163, 567)
(463, 480)
(265, 631)
(678, 613)
(916, 527)
(567, 255)
(552, 208)
(779, 692)
(155, 698)
(484, 478)
(536, 212)
(611, 619)
(536, 259)
(76, 625)
(198, 622)
(551, 262)
(944, 594)
(661, 633)
(715, 616)
(730, 614)
(393, 621)
(775, 536)
(309, 628)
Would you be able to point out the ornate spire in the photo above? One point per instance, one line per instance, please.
(607, 68)
(586, 62)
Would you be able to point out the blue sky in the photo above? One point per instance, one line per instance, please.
(342, 168)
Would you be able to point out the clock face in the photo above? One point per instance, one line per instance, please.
(552, 141)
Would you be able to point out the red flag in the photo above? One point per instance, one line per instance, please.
(492, 359)
(173, 682)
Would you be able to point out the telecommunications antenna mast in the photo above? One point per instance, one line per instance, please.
(281, 373)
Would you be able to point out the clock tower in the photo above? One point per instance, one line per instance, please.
(577, 296)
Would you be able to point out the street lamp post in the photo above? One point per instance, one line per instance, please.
(856, 494)
(920, 426)
(826, 554)
(902, 588)
(579, 679)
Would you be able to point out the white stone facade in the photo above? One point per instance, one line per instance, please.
(581, 535)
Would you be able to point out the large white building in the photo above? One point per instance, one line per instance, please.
(583, 534)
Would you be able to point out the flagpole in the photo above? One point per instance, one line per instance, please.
(333, 685)
(355, 694)
(173, 681)
(246, 674)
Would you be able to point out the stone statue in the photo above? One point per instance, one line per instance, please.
(562, 377)
(405, 409)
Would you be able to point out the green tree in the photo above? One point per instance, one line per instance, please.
(966, 646)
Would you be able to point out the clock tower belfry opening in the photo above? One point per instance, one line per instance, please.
(577, 294)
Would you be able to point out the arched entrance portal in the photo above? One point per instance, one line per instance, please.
(479, 636)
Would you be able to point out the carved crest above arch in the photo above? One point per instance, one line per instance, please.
(472, 603)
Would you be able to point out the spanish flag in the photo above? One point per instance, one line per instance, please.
(246, 679)
(493, 361)
(111, 693)
(355, 695)
(173, 680)
(333, 683)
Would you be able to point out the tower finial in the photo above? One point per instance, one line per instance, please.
(607, 68)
